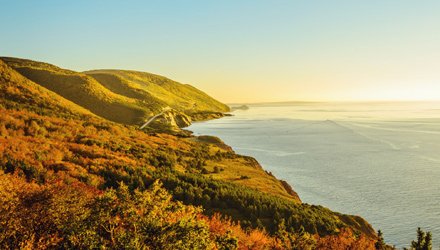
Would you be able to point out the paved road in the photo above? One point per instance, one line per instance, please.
(154, 117)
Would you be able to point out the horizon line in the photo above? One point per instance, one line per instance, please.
(337, 101)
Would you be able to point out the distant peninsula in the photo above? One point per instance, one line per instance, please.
(241, 107)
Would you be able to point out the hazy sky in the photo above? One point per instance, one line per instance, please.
(242, 51)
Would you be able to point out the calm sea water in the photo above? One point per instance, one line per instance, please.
(377, 160)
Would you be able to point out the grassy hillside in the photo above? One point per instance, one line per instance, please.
(82, 90)
(158, 90)
(18, 93)
(57, 160)
(127, 97)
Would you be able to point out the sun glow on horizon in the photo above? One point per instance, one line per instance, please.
(243, 51)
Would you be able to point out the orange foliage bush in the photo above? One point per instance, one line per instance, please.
(344, 240)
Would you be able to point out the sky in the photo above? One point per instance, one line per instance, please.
(242, 51)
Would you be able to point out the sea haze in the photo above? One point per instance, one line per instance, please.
(377, 160)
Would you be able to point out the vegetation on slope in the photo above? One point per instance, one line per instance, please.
(120, 96)
(46, 141)
(82, 90)
(76, 216)
(57, 215)
(20, 93)
(158, 90)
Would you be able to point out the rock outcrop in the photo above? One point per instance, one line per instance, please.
(172, 120)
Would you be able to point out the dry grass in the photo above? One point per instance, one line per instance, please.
(245, 171)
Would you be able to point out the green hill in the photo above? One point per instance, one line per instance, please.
(157, 90)
(82, 90)
(18, 92)
(127, 97)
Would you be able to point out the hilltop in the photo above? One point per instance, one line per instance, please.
(71, 178)
(19, 92)
(157, 90)
(127, 97)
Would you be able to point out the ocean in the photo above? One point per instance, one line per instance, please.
(379, 160)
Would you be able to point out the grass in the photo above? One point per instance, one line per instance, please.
(163, 91)
(29, 93)
(241, 170)
(126, 97)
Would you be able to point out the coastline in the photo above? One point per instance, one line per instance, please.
(208, 116)
(345, 157)
(354, 221)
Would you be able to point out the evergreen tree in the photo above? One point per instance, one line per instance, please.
(380, 243)
(424, 241)
(428, 244)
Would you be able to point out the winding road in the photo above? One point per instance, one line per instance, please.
(154, 117)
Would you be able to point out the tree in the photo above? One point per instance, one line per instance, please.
(380, 243)
(205, 171)
(424, 240)
(226, 242)
(428, 244)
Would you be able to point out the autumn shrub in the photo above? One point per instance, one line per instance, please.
(77, 216)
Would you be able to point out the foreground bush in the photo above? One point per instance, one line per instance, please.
(76, 216)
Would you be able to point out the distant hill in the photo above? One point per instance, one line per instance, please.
(127, 97)
(157, 90)
(17, 92)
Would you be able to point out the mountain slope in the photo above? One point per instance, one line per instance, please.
(17, 92)
(127, 97)
(157, 89)
(82, 90)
